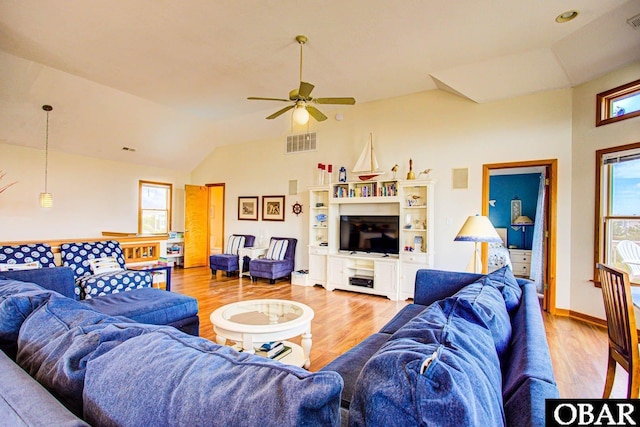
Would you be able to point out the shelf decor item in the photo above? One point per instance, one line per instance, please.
(297, 208)
(367, 165)
(273, 208)
(342, 176)
(411, 174)
(248, 208)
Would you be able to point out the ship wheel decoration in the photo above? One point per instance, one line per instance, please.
(297, 208)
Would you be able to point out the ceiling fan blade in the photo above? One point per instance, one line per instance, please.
(316, 114)
(305, 90)
(280, 112)
(345, 101)
(256, 98)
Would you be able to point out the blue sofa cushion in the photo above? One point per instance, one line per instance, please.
(148, 305)
(504, 280)
(17, 301)
(185, 380)
(407, 313)
(24, 254)
(59, 279)
(490, 305)
(110, 283)
(59, 338)
(440, 368)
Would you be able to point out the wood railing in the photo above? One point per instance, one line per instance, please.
(136, 248)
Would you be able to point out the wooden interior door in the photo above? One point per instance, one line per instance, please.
(550, 218)
(196, 230)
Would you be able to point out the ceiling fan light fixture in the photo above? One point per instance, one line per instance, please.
(300, 114)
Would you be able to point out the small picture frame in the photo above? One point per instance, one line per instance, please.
(248, 208)
(417, 244)
(273, 208)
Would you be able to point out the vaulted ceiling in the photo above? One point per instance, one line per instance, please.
(203, 57)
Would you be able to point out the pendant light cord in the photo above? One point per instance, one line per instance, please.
(46, 155)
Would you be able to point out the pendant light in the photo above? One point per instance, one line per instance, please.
(46, 198)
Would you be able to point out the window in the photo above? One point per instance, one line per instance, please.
(618, 200)
(154, 207)
(618, 104)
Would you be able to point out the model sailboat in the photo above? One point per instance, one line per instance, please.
(367, 165)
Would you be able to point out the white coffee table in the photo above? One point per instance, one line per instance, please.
(252, 323)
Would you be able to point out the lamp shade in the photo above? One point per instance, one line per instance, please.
(478, 228)
(46, 200)
(522, 220)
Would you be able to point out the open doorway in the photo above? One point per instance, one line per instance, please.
(216, 218)
(542, 248)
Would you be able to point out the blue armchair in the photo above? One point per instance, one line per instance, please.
(278, 262)
(99, 269)
(229, 261)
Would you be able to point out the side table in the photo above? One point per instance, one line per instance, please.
(250, 252)
(155, 267)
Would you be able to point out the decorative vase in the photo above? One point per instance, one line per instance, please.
(411, 174)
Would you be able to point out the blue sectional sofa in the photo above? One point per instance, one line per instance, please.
(469, 350)
(76, 366)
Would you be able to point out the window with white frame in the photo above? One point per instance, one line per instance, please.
(154, 207)
(618, 198)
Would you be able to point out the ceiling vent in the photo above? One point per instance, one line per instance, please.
(302, 142)
(634, 21)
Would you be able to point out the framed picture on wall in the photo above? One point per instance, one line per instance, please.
(516, 211)
(248, 208)
(273, 208)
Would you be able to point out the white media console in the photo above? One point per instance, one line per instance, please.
(392, 275)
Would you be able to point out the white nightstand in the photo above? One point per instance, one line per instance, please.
(520, 261)
(252, 253)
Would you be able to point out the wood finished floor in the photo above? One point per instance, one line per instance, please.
(343, 319)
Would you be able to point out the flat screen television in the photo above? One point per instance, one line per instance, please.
(370, 233)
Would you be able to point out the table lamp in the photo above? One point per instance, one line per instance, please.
(477, 229)
(522, 221)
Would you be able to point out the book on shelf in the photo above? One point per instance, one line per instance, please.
(284, 352)
(270, 349)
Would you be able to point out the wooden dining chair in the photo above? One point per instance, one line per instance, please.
(621, 326)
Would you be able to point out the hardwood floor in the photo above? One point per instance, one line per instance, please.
(343, 319)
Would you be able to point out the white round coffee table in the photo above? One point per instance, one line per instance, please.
(252, 323)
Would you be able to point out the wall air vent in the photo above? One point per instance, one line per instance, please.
(301, 143)
(634, 21)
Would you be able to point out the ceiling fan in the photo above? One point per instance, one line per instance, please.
(301, 98)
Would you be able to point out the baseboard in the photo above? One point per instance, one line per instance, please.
(589, 319)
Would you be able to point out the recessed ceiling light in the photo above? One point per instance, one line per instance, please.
(566, 16)
(128, 149)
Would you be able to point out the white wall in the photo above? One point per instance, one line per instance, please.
(437, 130)
(90, 195)
(587, 138)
